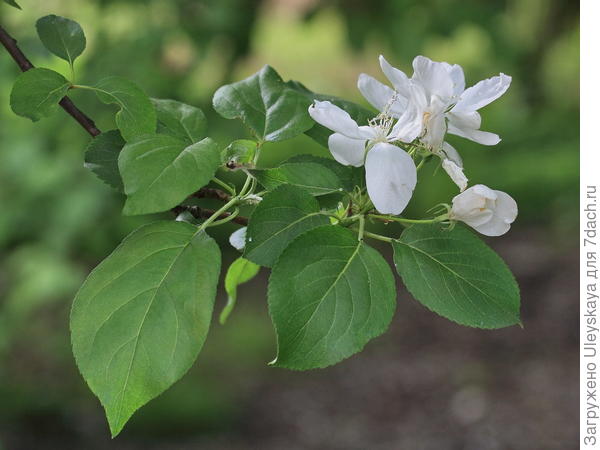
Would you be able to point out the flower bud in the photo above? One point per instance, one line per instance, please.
(488, 211)
(238, 239)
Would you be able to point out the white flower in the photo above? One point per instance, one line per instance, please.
(488, 211)
(391, 174)
(437, 92)
(238, 239)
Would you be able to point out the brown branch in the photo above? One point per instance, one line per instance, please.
(203, 213)
(212, 193)
(10, 44)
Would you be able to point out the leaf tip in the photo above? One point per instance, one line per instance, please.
(226, 311)
(115, 425)
(273, 363)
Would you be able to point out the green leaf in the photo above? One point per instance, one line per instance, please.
(61, 36)
(271, 110)
(159, 172)
(141, 317)
(37, 92)
(329, 294)
(240, 271)
(136, 116)
(12, 3)
(319, 176)
(456, 275)
(314, 178)
(349, 176)
(320, 133)
(239, 153)
(179, 120)
(279, 218)
(102, 158)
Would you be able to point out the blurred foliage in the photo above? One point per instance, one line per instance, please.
(58, 221)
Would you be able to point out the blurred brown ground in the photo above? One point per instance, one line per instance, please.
(427, 384)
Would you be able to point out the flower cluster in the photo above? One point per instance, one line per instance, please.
(414, 116)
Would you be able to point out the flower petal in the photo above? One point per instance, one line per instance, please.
(460, 119)
(347, 151)
(451, 153)
(391, 178)
(466, 124)
(398, 78)
(338, 120)
(456, 174)
(506, 207)
(410, 124)
(483, 93)
(434, 77)
(458, 77)
(435, 131)
(380, 96)
(493, 227)
(504, 214)
(470, 206)
(481, 137)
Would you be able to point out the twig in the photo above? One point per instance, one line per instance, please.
(10, 44)
(203, 213)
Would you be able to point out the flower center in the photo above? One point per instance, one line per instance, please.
(426, 117)
(382, 125)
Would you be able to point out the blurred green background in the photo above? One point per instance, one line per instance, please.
(427, 384)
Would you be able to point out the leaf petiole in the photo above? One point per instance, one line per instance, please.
(227, 219)
(403, 220)
(213, 219)
(361, 227)
(224, 185)
(379, 237)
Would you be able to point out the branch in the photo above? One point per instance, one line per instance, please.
(10, 44)
(212, 193)
(203, 213)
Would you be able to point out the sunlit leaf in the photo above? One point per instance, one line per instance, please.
(311, 174)
(266, 105)
(283, 214)
(37, 92)
(456, 275)
(240, 271)
(179, 120)
(136, 116)
(239, 153)
(159, 172)
(63, 37)
(141, 317)
(329, 294)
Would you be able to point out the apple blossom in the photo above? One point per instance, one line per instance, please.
(437, 90)
(391, 174)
